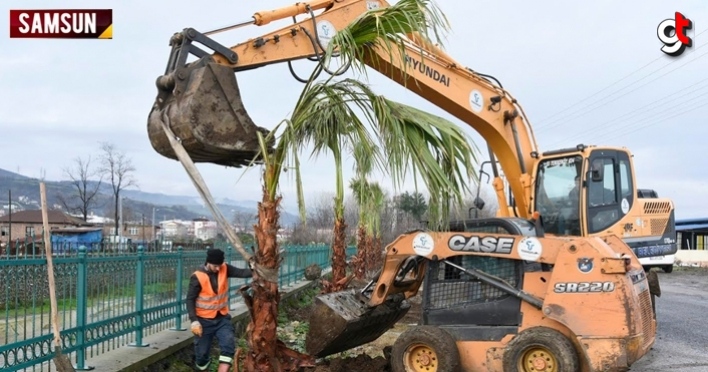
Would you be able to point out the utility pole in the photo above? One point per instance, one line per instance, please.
(9, 217)
(120, 219)
(154, 237)
(142, 226)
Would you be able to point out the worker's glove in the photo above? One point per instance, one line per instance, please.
(197, 328)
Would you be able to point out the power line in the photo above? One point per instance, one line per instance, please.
(615, 83)
(651, 123)
(626, 93)
(599, 91)
(652, 106)
(641, 120)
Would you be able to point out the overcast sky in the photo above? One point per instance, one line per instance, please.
(60, 98)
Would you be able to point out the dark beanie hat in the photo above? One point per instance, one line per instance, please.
(215, 256)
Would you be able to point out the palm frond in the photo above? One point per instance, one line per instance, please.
(411, 142)
(388, 29)
(347, 117)
(428, 146)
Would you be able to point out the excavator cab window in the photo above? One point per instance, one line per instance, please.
(611, 196)
(558, 185)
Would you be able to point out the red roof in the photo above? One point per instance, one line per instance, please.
(35, 217)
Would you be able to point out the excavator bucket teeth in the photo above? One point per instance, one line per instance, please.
(341, 321)
(202, 105)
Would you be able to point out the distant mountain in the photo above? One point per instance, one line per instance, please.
(137, 205)
(10, 175)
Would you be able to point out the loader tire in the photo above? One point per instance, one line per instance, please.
(425, 348)
(541, 349)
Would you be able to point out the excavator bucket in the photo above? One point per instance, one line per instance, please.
(202, 105)
(342, 320)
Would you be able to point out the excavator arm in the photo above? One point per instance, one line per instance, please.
(187, 90)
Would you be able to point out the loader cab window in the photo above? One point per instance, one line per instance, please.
(557, 194)
(454, 296)
(625, 174)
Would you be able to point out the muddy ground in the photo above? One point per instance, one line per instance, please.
(371, 358)
(366, 358)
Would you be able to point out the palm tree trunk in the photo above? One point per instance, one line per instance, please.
(266, 352)
(362, 249)
(370, 252)
(339, 258)
(374, 257)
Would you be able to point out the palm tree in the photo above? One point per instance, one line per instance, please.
(361, 190)
(326, 117)
(369, 199)
(267, 353)
(373, 245)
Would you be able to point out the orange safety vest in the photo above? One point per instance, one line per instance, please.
(208, 303)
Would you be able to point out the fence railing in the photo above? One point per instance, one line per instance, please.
(33, 245)
(106, 301)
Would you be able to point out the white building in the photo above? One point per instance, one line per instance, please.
(205, 229)
(174, 228)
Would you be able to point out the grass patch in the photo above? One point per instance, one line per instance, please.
(70, 304)
(44, 306)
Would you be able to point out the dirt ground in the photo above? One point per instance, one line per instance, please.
(370, 357)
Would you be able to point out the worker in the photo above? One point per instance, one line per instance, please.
(574, 193)
(208, 308)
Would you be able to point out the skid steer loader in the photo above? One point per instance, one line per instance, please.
(497, 296)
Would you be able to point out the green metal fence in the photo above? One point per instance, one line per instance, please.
(107, 301)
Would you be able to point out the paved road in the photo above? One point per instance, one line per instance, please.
(682, 334)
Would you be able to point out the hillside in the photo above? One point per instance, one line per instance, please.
(137, 204)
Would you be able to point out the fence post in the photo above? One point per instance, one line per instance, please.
(81, 304)
(178, 291)
(139, 278)
(229, 258)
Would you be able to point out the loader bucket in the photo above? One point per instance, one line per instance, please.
(201, 103)
(341, 321)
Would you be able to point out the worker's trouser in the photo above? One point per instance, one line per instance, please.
(223, 329)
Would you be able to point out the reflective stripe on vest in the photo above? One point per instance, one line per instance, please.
(209, 304)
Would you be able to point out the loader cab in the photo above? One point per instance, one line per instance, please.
(467, 307)
(583, 191)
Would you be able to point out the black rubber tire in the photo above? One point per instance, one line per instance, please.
(668, 268)
(433, 338)
(559, 346)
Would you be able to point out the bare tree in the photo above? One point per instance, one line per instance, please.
(244, 221)
(485, 207)
(302, 234)
(118, 169)
(320, 216)
(85, 190)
